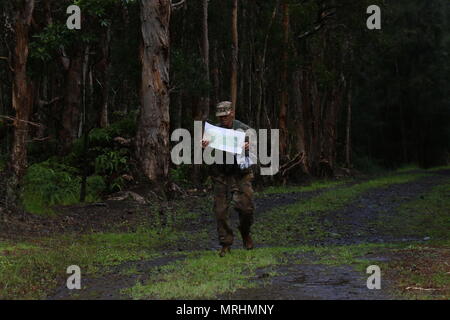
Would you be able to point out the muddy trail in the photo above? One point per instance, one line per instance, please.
(358, 222)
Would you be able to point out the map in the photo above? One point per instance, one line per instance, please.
(228, 140)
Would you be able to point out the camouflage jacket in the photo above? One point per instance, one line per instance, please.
(227, 169)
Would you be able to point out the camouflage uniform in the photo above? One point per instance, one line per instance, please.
(232, 188)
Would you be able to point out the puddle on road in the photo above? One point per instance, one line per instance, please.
(313, 282)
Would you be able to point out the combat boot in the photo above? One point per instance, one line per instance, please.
(225, 250)
(248, 242)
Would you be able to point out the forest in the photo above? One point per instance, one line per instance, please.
(87, 112)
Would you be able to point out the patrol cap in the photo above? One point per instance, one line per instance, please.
(223, 108)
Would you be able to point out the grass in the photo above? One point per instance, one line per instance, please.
(34, 203)
(30, 270)
(350, 255)
(407, 168)
(426, 216)
(421, 271)
(205, 275)
(447, 167)
(300, 221)
(316, 185)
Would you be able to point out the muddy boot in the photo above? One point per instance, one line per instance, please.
(246, 238)
(225, 250)
(248, 242)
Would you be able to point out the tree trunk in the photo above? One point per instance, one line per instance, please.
(205, 54)
(152, 139)
(262, 67)
(215, 75)
(348, 141)
(72, 103)
(284, 84)
(104, 75)
(22, 96)
(300, 119)
(234, 53)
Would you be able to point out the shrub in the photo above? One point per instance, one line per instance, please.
(180, 174)
(49, 183)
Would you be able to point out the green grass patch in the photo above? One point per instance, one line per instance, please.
(205, 275)
(426, 216)
(439, 168)
(132, 270)
(316, 185)
(407, 168)
(354, 255)
(300, 221)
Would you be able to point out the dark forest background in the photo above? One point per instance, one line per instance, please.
(77, 115)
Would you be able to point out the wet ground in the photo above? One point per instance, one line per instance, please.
(312, 282)
(351, 225)
(109, 287)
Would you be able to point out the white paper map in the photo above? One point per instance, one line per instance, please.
(228, 140)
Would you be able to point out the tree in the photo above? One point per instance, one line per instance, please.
(205, 54)
(22, 94)
(235, 52)
(284, 82)
(152, 139)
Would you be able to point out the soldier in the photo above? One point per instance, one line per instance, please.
(232, 185)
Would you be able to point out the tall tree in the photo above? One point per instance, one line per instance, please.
(22, 92)
(234, 52)
(152, 139)
(205, 54)
(284, 82)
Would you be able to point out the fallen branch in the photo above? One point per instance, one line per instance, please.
(297, 160)
(47, 103)
(39, 139)
(423, 289)
(29, 122)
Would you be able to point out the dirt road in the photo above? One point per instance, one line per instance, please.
(366, 219)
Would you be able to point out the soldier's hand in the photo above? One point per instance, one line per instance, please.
(205, 143)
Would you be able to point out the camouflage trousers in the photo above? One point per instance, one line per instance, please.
(233, 191)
